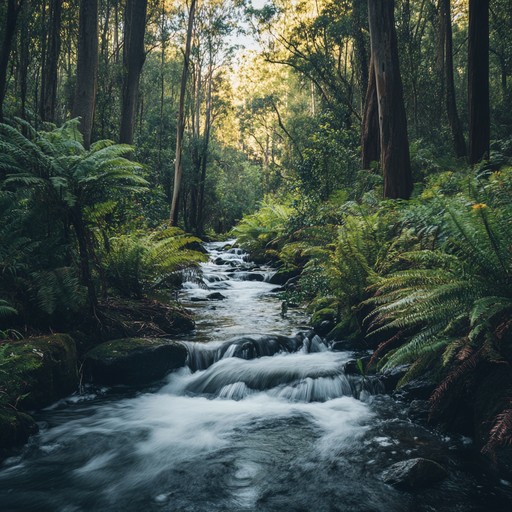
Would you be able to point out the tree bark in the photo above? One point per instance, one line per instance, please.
(459, 144)
(478, 81)
(370, 137)
(133, 60)
(87, 68)
(13, 10)
(50, 68)
(360, 46)
(180, 131)
(394, 144)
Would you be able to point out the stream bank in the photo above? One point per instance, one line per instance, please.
(263, 416)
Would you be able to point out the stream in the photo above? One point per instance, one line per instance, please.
(263, 418)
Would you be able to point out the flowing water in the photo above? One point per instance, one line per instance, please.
(262, 418)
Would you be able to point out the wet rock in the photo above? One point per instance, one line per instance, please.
(198, 299)
(253, 277)
(40, 370)
(418, 410)
(345, 345)
(281, 277)
(390, 378)
(133, 361)
(322, 320)
(417, 389)
(15, 429)
(220, 261)
(352, 367)
(216, 296)
(414, 473)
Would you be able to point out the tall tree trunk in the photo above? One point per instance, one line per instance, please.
(24, 52)
(205, 151)
(13, 9)
(85, 260)
(370, 136)
(180, 130)
(459, 143)
(87, 68)
(360, 46)
(394, 145)
(133, 60)
(50, 68)
(478, 81)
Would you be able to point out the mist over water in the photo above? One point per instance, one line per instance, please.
(262, 418)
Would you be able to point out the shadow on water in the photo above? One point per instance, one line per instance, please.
(260, 419)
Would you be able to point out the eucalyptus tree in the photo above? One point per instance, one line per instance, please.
(133, 60)
(50, 59)
(9, 30)
(394, 145)
(87, 68)
(446, 45)
(180, 130)
(478, 81)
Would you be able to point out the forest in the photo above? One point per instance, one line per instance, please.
(362, 150)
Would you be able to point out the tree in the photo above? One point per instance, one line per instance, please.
(394, 145)
(13, 10)
(370, 137)
(133, 60)
(478, 81)
(87, 68)
(50, 63)
(180, 131)
(459, 143)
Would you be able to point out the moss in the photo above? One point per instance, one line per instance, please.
(38, 371)
(121, 348)
(15, 429)
(322, 315)
(133, 361)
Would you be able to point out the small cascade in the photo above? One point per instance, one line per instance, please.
(253, 422)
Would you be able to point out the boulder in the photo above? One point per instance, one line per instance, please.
(15, 429)
(40, 371)
(414, 473)
(417, 389)
(322, 320)
(215, 296)
(281, 277)
(133, 361)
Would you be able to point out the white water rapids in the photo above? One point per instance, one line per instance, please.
(262, 418)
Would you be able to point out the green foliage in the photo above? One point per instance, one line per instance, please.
(137, 263)
(261, 233)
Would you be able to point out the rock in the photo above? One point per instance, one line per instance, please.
(343, 346)
(15, 429)
(417, 389)
(322, 320)
(418, 410)
(347, 330)
(133, 361)
(198, 299)
(390, 378)
(215, 296)
(40, 370)
(414, 473)
(281, 277)
(249, 276)
(352, 367)
(220, 261)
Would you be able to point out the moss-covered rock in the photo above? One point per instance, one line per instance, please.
(133, 361)
(15, 429)
(39, 371)
(323, 320)
(347, 330)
